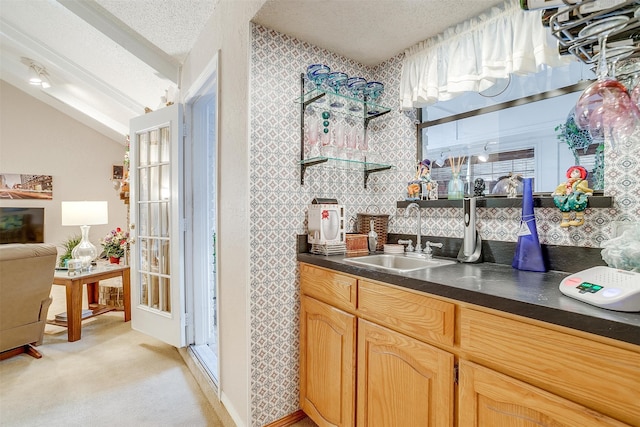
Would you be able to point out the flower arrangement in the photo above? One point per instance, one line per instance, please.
(115, 243)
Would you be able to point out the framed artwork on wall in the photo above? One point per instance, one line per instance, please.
(22, 186)
(118, 172)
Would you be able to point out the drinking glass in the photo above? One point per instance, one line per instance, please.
(313, 134)
(318, 73)
(355, 85)
(326, 141)
(352, 146)
(339, 143)
(372, 91)
(605, 108)
(335, 81)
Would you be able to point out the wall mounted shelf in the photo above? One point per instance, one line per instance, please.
(367, 167)
(504, 202)
(368, 111)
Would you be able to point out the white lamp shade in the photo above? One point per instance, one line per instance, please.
(85, 213)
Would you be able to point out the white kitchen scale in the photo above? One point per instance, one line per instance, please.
(604, 287)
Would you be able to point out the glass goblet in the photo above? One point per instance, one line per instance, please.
(592, 98)
(355, 85)
(318, 73)
(372, 91)
(339, 141)
(313, 135)
(335, 81)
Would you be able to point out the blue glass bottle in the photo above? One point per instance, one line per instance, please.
(528, 254)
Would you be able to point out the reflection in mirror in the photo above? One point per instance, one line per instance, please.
(527, 130)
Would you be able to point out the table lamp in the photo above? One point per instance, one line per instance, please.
(85, 214)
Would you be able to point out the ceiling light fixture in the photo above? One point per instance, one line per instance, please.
(38, 75)
(441, 160)
(484, 156)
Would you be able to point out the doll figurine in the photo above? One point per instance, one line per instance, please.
(429, 185)
(572, 196)
(419, 187)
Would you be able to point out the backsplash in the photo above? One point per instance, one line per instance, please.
(278, 203)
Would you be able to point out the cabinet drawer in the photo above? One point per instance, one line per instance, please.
(419, 316)
(596, 375)
(333, 288)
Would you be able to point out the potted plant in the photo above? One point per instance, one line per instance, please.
(68, 246)
(115, 243)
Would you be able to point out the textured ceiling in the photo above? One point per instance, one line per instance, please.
(368, 31)
(109, 59)
(171, 25)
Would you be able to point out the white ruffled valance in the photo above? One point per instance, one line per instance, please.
(474, 54)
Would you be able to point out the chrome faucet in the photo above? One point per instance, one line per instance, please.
(407, 212)
(427, 248)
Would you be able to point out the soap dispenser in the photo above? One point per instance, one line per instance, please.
(373, 237)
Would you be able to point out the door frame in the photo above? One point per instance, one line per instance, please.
(195, 281)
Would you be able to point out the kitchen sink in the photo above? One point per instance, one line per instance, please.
(398, 263)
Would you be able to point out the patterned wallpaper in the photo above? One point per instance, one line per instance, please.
(278, 203)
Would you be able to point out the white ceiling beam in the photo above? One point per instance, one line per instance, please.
(105, 22)
(67, 68)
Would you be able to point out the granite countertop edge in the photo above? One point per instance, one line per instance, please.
(500, 287)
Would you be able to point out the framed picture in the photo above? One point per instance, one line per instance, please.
(22, 186)
(118, 172)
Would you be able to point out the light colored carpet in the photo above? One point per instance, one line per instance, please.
(112, 376)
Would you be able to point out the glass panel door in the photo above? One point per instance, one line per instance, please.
(156, 213)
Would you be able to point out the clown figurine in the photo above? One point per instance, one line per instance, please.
(571, 196)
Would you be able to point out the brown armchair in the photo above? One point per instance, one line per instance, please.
(26, 276)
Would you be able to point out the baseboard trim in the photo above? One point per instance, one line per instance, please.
(288, 420)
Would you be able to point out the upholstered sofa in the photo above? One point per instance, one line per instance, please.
(26, 276)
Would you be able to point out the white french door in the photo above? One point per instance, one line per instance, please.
(157, 225)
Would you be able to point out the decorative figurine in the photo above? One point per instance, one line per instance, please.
(512, 185)
(422, 185)
(478, 187)
(413, 190)
(572, 196)
(429, 185)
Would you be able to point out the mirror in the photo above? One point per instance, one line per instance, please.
(522, 128)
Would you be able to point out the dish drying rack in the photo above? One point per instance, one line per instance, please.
(586, 48)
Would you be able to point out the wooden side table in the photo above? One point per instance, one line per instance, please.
(74, 295)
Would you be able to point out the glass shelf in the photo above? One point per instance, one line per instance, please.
(368, 112)
(539, 201)
(367, 167)
(310, 98)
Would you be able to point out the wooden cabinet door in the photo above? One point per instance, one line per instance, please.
(401, 381)
(490, 399)
(327, 363)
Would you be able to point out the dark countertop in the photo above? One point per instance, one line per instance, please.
(501, 287)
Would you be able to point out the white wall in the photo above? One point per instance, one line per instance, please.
(38, 139)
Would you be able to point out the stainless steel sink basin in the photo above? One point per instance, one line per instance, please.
(398, 263)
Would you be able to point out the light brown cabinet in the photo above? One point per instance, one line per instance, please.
(327, 363)
(491, 399)
(402, 381)
(597, 375)
(512, 371)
